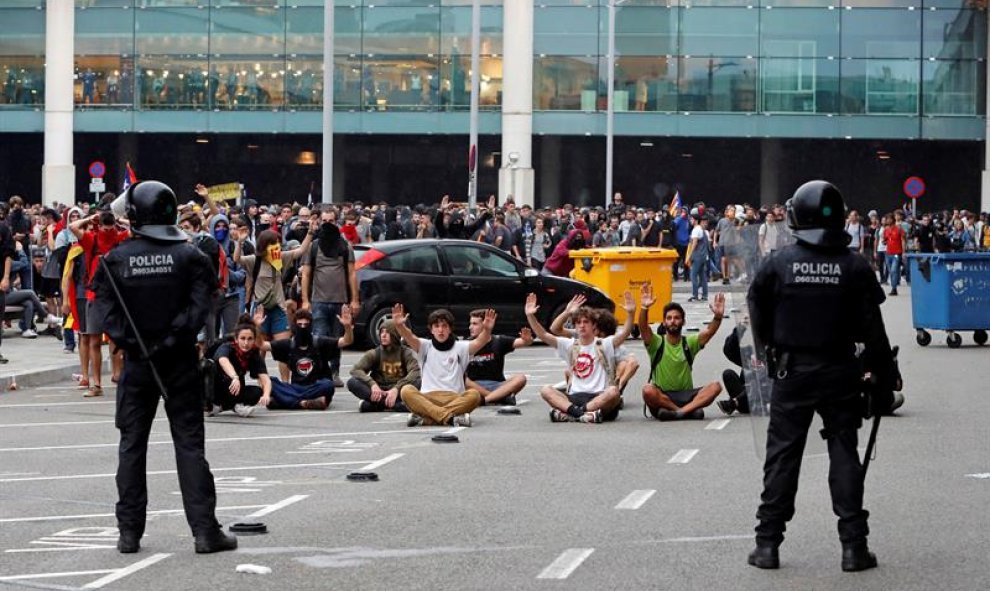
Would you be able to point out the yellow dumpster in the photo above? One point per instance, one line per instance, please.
(616, 270)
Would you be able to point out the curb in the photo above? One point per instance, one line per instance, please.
(44, 377)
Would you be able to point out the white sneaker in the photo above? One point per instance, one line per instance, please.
(463, 420)
(54, 320)
(244, 410)
(29, 334)
(215, 410)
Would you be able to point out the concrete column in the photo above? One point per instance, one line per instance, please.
(770, 155)
(517, 102)
(58, 175)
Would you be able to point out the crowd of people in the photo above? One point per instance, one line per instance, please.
(290, 268)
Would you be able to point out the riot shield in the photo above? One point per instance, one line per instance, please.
(747, 259)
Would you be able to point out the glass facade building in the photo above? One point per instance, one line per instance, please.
(891, 76)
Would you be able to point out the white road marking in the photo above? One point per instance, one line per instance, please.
(161, 472)
(279, 414)
(279, 505)
(381, 462)
(78, 403)
(453, 430)
(127, 570)
(52, 395)
(980, 476)
(684, 456)
(566, 563)
(75, 573)
(717, 424)
(636, 499)
(99, 515)
(224, 439)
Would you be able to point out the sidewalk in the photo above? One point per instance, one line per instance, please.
(37, 362)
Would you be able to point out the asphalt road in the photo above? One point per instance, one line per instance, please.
(519, 503)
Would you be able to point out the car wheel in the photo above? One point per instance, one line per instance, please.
(375, 325)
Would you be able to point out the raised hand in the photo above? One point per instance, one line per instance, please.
(259, 316)
(628, 302)
(646, 298)
(531, 306)
(526, 335)
(444, 201)
(718, 304)
(399, 315)
(345, 316)
(490, 316)
(491, 202)
(575, 303)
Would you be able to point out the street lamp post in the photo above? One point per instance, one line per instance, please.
(610, 106)
(475, 91)
(327, 194)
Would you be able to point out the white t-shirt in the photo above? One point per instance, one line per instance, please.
(443, 370)
(698, 233)
(587, 374)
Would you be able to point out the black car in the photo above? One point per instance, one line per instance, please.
(459, 275)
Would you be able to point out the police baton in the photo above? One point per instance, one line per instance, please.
(137, 334)
(871, 444)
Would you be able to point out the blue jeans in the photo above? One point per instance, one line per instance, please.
(699, 278)
(69, 339)
(325, 324)
(894, 267)
(288, 395)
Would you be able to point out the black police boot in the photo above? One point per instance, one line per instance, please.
(215, 541)
(764, 557)
(856, 557)
(128, 542)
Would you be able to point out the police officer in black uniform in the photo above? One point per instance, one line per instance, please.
(810, 304)
(165, 283)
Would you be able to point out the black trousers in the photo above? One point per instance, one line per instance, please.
(363, 391)
(137, 403)
(831, 392)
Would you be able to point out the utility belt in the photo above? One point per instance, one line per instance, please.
(780, 360)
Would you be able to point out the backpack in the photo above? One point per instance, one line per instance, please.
(599, 356)
(209, 246)
(655, 361)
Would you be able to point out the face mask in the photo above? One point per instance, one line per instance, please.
(303, 335)
(263, 227)
(221, 234)
(274, 256)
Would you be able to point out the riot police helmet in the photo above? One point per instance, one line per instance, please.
(152, 209)
(816, 215)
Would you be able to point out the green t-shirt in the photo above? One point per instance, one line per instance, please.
(673, 373)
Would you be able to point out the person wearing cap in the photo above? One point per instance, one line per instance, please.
(811, 305)
(160, 360)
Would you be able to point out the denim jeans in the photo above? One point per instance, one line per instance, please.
(894, 268)
(287, 395)
(325, 324)
(699, 279)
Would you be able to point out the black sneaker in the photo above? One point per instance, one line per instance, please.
(337, 382)
(734, 384)
(557, 416)
(367, 406)
(857, 557)
(697, 414)
(727, 406)
(764, 557)
(668, 415)
(3, 359)
(217, 541)
(509, 400)
(725, 282)
(128, 542)
(414, 420)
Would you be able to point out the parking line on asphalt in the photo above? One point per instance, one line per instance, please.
(635, 499)
(222, 439)
(683, 456)
(566, 563)
(75, 573)
(717, 424)
(378, 464)
(98, 515)
(77, 403)
(161, 472)
(279, 505)
(127, 570)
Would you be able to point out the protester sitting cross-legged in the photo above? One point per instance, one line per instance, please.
(235, 361)
(379, 375)
(593, 393)
(626, 364)
(443, 359)
(308, 358)
(670, 394)
(486, 371)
